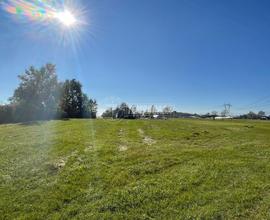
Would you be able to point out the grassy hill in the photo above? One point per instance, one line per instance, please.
(141, 169)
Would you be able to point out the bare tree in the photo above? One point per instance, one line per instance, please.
(223, 113)
(153, 109)
(133, 109)
(215, 113)
(167, 109)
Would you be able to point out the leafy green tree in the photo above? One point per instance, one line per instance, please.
(261, 114)
(122, 111)
(40, 96)
(37, 94)
(89, 107)
(71, 102)
(93, 108)
(108, 113)
(252, 115)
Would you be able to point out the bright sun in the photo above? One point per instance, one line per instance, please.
(66, 18)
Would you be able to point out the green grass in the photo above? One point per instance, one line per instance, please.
(141, 169)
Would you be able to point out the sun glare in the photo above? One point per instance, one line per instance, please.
(64, 21)
(66, 18)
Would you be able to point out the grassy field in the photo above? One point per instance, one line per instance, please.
(141, 169)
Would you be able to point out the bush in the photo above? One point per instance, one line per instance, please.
(7, 113)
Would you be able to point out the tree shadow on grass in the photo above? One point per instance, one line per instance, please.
(30, 123)
(64, 119)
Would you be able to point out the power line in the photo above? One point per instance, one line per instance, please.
(255, 103)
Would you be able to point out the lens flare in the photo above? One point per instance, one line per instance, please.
(40, 10)
(32, 10)
(61, 21)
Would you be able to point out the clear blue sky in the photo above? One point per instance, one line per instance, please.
(195, 55)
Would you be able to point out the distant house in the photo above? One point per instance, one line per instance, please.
(156, 116)
(265, 118)
(223, 117)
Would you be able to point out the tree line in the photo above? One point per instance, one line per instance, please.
(41, 96)
(254, 115)
(124, 111)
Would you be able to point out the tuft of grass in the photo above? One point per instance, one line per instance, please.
(135, 169)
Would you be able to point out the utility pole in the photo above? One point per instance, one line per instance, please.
(227, 109)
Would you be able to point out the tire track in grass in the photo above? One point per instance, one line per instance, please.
(123, 142)
(146, 139)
